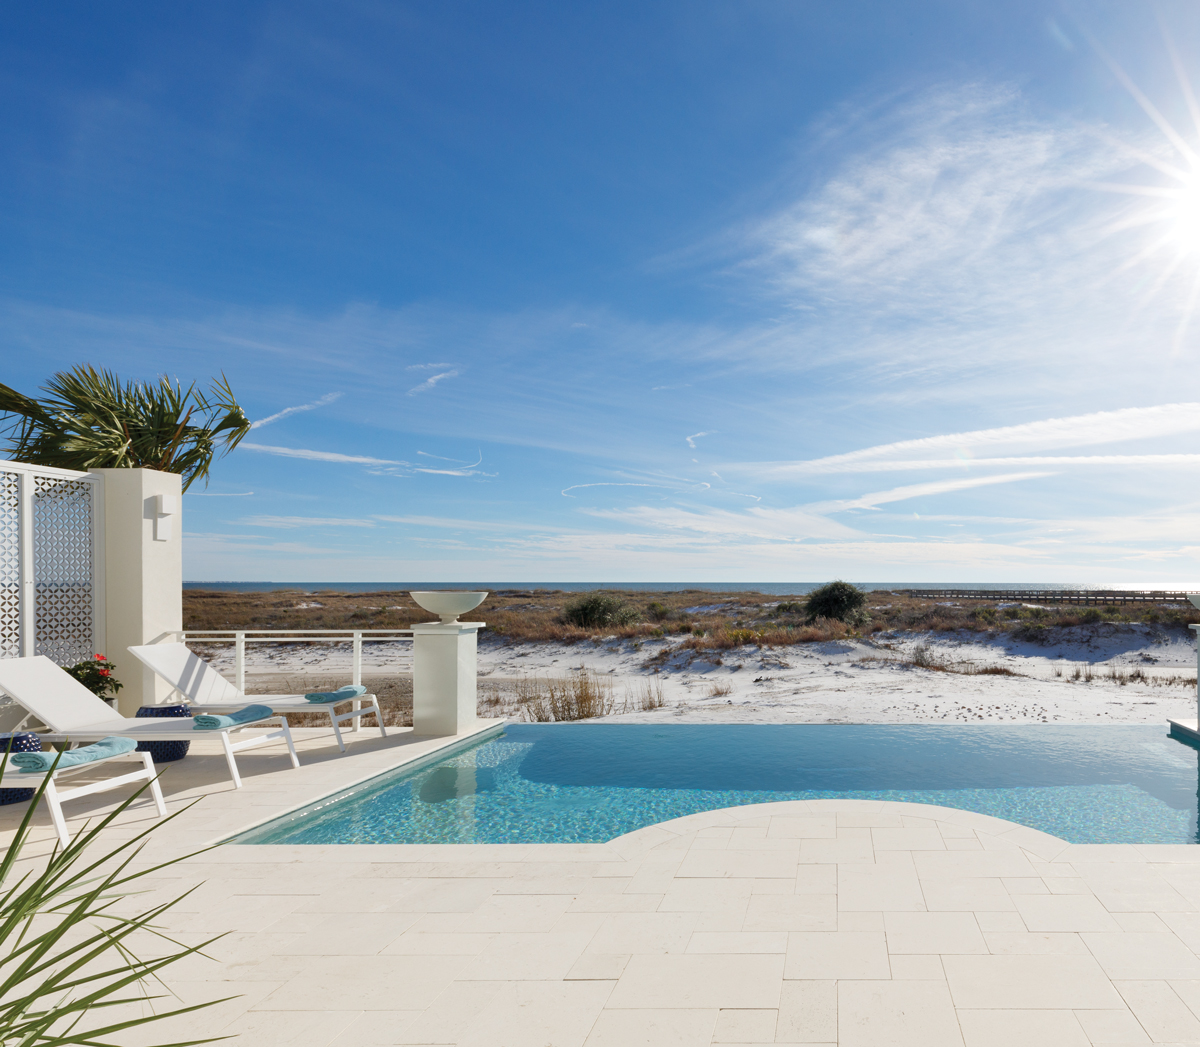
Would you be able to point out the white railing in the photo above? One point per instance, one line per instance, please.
(241, 637)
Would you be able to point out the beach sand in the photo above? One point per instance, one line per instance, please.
(850, 681)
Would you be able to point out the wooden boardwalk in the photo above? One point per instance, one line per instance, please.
(1069, 596)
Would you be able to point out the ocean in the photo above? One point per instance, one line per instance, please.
(769, 588)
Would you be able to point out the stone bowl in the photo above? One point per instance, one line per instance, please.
(449, 604)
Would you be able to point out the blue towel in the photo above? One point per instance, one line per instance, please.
(40, 763)
(342, 694)
(208, 722)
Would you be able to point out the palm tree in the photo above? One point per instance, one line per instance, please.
(92, 420)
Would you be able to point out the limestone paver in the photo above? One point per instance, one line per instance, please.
(933, 932)
(1161, 1012)
(807, 1012)
(1028, 982)
(904, 1014)
(860, 924)
(840, 955)
(1027, 1028)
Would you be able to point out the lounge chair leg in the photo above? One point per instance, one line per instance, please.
(233, 768)
(379, 719)
(337, 731)
(287, 737)
(56, 815)
(155, 791)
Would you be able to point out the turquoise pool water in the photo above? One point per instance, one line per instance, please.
(575, 783)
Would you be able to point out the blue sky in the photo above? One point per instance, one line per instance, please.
(756, 291)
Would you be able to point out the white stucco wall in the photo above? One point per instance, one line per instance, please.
(143, 576)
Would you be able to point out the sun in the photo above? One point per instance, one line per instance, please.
(1169, 204)
(1182, 215)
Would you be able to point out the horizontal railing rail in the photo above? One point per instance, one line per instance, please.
(241, 637)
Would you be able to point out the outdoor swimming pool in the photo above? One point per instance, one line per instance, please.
(587, 783)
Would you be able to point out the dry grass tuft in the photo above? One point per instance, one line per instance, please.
(924, 658)
(582, 697)
(720, 690)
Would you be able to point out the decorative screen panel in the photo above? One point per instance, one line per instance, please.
(10, 566)
(62, 568)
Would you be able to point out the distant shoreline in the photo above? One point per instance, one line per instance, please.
(771, 588)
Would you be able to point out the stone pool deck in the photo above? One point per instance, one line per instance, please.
(863, 924)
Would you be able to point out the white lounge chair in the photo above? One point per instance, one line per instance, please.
(73, 713)
(208, 691)
(55, 797)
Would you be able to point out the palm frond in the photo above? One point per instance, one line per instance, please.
(93, 420)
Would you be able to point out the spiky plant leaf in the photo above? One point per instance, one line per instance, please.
(93, 420)
(64, 950)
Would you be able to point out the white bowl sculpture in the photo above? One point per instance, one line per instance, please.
(449, 604)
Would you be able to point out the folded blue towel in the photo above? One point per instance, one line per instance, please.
(208, 722)
(342, 694)
(35, 763)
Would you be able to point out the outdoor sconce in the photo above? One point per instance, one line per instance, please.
(165, 507)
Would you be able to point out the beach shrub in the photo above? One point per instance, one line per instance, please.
(657, 612)
(790, 607)
(838, 600)
(1090, 616)
(599, 611)
(738, 637)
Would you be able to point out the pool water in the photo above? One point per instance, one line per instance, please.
(587, 783)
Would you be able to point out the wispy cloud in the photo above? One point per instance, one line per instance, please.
(787, 525)
(954, 183)
(458, 524)
(956, 449)
(431, 381)
(466, 469)
(306, 521)
(219, 494)
(579, 487)
(426, 367)
(318, 456)
(691, 440)
(328, 398)
(925, 490)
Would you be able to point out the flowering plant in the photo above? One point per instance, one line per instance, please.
(96, 675)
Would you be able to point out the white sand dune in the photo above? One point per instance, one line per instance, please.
(863, 681)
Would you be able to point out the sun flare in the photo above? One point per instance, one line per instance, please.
(1183, 215)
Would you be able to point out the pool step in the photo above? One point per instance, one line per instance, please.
(1188, 730)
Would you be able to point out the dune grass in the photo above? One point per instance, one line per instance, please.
(697, 619)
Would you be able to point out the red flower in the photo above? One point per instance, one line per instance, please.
(106, 672)
(101, 658)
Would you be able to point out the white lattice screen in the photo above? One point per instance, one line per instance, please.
(10, 566)
(47, 573)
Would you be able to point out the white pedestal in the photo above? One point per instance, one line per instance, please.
(444, 672)
(1196, 630)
